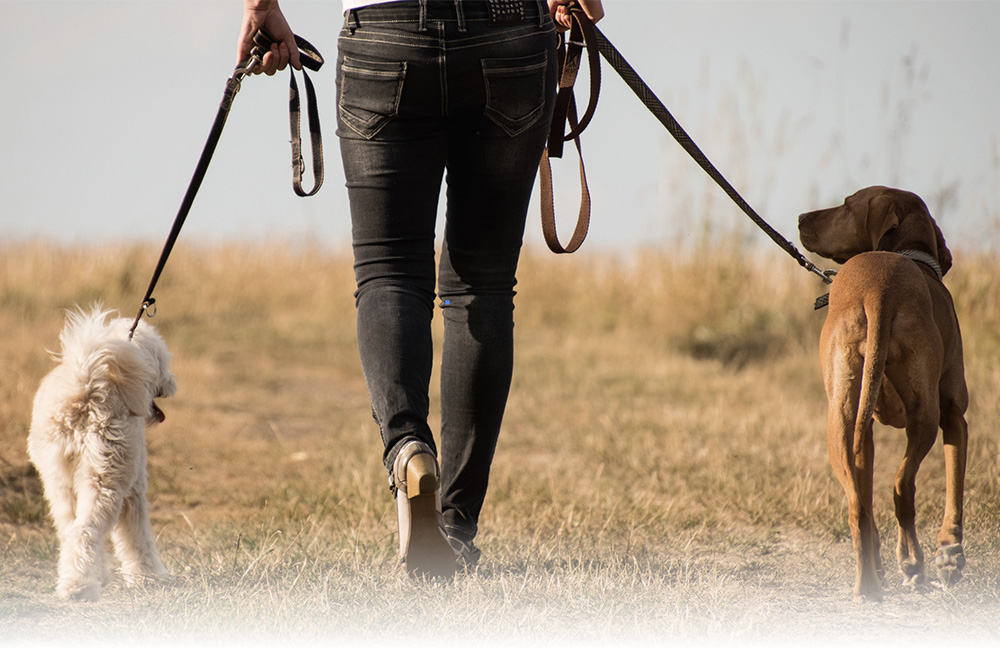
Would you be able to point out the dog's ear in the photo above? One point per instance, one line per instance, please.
(882, 218)
(943, 254)
(130, 375)
(919, 222)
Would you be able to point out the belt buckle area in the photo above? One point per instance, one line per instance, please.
(506, 12)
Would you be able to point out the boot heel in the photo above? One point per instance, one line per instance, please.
(421, 476)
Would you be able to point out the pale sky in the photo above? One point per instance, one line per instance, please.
(106, 106)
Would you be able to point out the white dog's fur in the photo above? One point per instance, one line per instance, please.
(87, 441)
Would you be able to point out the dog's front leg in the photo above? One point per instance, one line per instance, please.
(134, 542)
(950, 557)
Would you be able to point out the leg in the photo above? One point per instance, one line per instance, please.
(82, 568)
(863, 527)
(57, 479)
(394, 146)
(133, 535)
(920, 439)
(851, 464)
(393, 205)
(491, 172)
(393, 188)
(950, 558)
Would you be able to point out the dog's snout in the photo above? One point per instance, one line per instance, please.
(807, 231)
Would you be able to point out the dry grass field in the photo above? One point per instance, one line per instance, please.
(661, 480)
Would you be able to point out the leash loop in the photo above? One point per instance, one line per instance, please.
(316, 137)
(310, 58)
(582, 36)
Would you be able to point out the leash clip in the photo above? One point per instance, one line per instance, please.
(826, 276)
(254, 62)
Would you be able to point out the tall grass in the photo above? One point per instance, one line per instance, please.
(661, 477)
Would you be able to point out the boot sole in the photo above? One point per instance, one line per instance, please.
(428, 552)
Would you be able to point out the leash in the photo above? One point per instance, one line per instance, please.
(584, 34)
(311, 59)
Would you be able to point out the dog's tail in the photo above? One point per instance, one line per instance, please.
(108, 368)
(876, 355)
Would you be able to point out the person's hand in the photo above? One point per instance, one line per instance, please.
(267, 14)
(559, 9)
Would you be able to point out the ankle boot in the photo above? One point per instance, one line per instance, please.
(415, 480)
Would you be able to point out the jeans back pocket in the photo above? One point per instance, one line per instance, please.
(370, 92)
(515, 91)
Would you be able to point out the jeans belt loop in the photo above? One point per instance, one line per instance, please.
(422, 26)
(460, 13)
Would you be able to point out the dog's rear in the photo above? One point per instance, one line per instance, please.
(87, 441)
(864, 312)
(891, 349)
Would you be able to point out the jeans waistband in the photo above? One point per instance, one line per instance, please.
(480, 13)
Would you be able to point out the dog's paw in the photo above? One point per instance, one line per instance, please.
(949, 560)
(144, 579)
(868, 590)
(79, 591)
(913, 573)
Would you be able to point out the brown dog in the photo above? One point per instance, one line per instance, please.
(891, 349)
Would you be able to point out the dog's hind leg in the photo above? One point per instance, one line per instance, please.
(57, 480)
(853, 470)
(864, 528)
(921, 433)
(82, 567)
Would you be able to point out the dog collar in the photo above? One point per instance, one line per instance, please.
(924, 258)
(915, 255)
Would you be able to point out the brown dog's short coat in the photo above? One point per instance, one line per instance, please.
(891, 349)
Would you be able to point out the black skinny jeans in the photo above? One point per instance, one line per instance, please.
(424, 89)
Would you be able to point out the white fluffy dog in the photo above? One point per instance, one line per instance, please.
(88, 442)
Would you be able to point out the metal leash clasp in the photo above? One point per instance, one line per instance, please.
(262, 42)
(812, 268)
